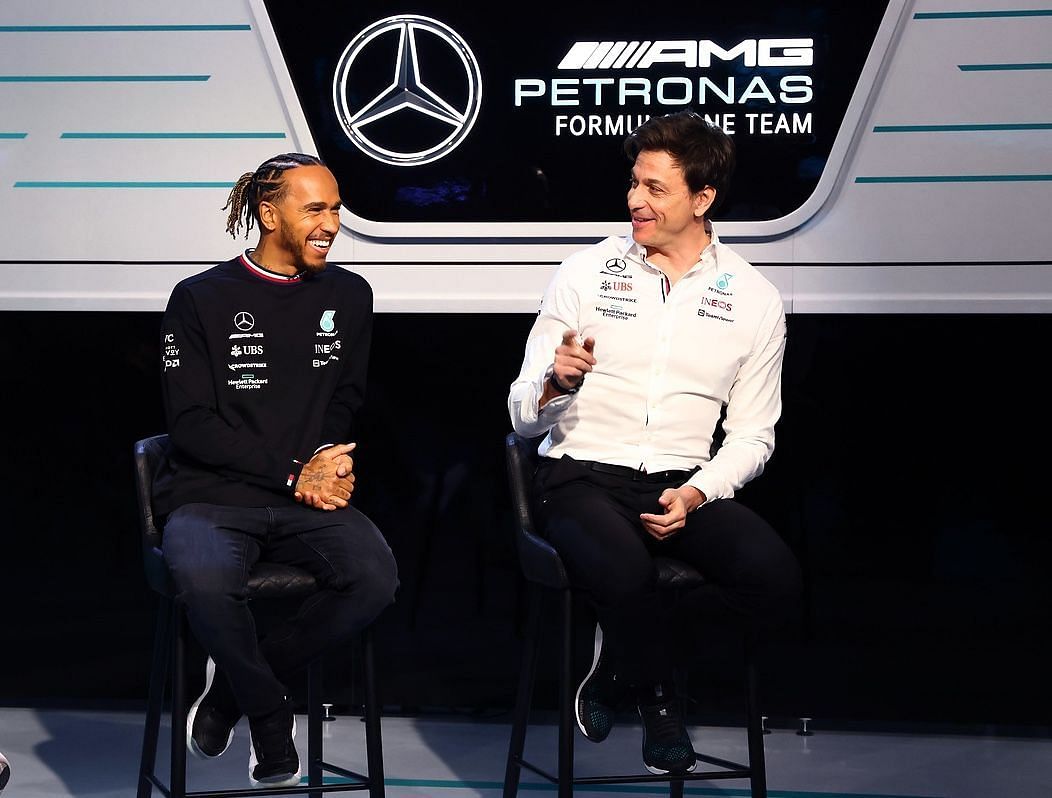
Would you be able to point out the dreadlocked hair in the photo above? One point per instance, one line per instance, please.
(266, 184)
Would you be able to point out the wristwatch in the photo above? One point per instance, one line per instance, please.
(559, 386)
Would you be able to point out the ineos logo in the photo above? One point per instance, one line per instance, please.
(361, 114)
(244, 321)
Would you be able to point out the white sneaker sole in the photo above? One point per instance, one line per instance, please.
(275, 781)
(210, 673)
(596, 651)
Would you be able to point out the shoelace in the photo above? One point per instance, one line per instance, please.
(662, 720)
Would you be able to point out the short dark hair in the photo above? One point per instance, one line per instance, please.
(702, 150)
(266, 184)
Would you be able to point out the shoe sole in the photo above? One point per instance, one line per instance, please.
(659, 771)
(597, 650)
(210, 672)
(273, 781)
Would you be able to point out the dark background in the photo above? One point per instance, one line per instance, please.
(909, 478)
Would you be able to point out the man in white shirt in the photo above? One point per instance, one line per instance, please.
(641, 344)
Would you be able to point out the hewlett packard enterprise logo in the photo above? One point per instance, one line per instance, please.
(422, 48)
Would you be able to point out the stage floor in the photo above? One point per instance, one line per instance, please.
(56, 753)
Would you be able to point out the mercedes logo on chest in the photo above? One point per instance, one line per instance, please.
(243, 321)
(426, 99)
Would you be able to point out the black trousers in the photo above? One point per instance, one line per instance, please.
(592, 520)
(210, 550)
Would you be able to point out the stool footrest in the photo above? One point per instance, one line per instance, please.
(732, 770)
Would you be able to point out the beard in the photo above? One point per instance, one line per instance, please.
(295, 248)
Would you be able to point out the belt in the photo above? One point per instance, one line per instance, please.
(635, 474)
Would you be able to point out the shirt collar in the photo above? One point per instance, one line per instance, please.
(637, 252)
(267, 274)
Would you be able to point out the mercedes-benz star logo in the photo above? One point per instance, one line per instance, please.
(455, 108)
(244, 321)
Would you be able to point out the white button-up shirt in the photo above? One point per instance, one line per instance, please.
(667, 362)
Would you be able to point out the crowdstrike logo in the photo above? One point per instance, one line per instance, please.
(433, 74)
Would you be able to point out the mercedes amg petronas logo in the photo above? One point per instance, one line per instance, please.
(243, 321)
(407, 90)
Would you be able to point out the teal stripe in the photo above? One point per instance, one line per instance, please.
(100, 78)
(13, 135)
(954, 179)
(652, 789)
(982, 14)
(172, 136)
(1001, 67)
(121, 184)
(954, 128)
(113, 28)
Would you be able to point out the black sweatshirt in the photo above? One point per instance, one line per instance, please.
(259, 371)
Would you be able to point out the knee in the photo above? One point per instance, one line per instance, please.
(624, 585)
(375, 581)
(204, 587)
(381, 583)
(779, 596)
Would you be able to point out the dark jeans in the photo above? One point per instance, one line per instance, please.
(592, 520)
(210, 550)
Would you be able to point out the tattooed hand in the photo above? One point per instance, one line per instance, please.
(327, 481)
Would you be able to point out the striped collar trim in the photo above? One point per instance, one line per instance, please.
(267, 274)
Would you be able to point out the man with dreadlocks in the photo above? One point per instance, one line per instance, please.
(264, 360)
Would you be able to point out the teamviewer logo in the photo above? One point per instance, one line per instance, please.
(427, 100)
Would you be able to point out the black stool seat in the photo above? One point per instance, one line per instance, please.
(545, 574)
(267, 581)
(676, 574)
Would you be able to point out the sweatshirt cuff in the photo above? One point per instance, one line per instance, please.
(295, 468)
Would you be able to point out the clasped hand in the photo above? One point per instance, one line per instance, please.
(676, 502)
(326, 482)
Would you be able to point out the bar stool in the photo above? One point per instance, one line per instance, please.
(546, 575)
(266, 581)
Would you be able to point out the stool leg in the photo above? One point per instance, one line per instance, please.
(315, 676)
(373, 744)
(757, 768)
(679, 679)
(566, 699)
(524, 696)
(177, 785)
(155, 701)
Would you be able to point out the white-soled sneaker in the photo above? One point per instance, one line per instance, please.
(272, 759)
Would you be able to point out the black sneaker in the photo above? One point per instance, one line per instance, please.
(210, 724)
(598, 695)
(272, 755)
(666, 744)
